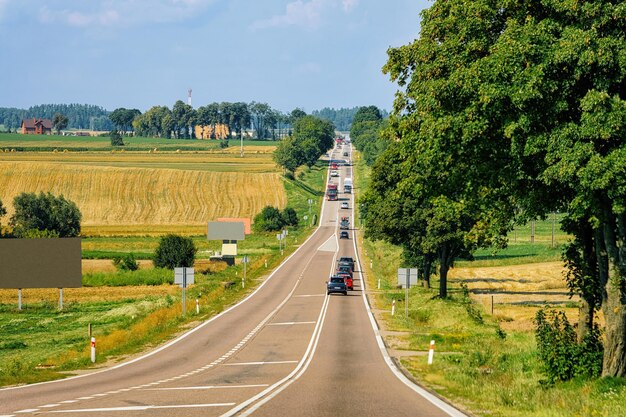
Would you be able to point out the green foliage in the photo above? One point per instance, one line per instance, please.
(3, 212)
(59, 122)
(121, 278)
(123, 118)
(562, 355)
(126, 262)
(269, 220)
(80, 116)
(116, 138)
(290, 217)
(174, 251)
(312, 137)
(45, 212)
(224, 144)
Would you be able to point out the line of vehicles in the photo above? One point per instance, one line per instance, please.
(342, 280)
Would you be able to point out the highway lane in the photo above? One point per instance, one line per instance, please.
(349, 375)
(288, 350)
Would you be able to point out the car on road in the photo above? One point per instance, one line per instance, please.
(344, 269)
(334, 174)
(345, 223)
(345, 205)
(349, 265)
(344, 235)
(347, 278)
(336, 284)
(346, 260)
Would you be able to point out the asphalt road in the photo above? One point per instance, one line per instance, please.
(288, 349)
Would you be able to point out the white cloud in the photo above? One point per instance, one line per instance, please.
(127, 12)
(349, 4)
(306, 14)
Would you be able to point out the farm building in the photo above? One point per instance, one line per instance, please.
(36, 126)
(219, 131)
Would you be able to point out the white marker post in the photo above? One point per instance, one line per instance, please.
(393, 308)
(379, 283)
(431, 352)
(197, 306)
(60, 298)
(93, 350)
(19, 299)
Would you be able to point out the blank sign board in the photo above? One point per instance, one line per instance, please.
(226, 231)
(40, 263)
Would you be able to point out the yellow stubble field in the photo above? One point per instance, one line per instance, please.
(135, 191)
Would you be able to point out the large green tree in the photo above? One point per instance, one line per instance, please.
(45, 212)
(530, 99)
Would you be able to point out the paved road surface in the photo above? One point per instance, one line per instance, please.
(288, 349)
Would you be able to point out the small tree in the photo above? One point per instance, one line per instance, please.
(269, 220)
(175, 251)
(290, 217)
(3, 212)
(59, 122)
(126, 262)
(116, 138)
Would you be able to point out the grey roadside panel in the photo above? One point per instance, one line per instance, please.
(40, 263)
(226, 231)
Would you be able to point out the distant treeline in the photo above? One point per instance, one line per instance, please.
(341, 118)
(265, 121)
(80, 116)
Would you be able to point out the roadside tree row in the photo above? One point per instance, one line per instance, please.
(510, 111)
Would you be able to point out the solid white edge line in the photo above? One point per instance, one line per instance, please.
(195, 329)
(436, 401)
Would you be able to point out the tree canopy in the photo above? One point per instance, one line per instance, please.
(45, 212)
(514, 109)
(312, 137)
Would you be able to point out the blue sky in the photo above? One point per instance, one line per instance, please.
(139, 53)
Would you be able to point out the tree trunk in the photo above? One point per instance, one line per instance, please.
(614, 299)
(444, 265)
(585, 319)
(427, 268)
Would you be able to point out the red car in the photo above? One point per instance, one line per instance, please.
(347, 279)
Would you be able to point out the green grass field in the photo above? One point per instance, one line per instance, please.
(19, 142)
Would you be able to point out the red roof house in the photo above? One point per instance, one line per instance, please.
(37, 126)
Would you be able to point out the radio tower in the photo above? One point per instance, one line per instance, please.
(189, 97)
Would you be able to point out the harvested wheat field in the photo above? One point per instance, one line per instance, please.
(518, 291)
(130, 196)
(87, 294)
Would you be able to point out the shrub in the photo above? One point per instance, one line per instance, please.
(269, 220)
(562, 355)
(290, 217)
(116, 138)
(126, 262)
(175, 251)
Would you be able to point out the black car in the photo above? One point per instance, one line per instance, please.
(344, 269)
(346, 260)
(344, 235)
(336, 284)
